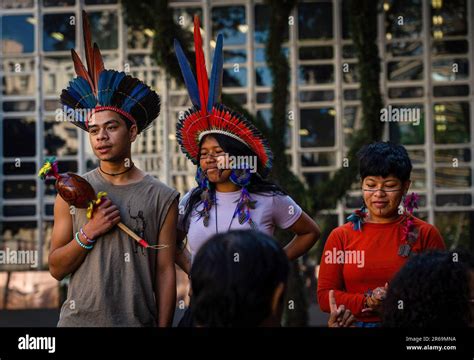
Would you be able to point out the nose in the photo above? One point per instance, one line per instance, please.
(102, 134)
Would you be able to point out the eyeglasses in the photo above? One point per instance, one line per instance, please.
(216, 155)
(385, 191)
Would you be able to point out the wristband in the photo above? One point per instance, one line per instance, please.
(87, 247)
(90, 241)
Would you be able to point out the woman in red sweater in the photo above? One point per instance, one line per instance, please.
(363, 255)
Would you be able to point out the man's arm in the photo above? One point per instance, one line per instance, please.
(65, 254)
(165, 292)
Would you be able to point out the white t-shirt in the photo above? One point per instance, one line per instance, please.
(270, 211)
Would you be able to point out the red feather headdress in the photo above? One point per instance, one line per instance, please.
(207, 116)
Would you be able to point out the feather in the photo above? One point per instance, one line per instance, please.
(89, 51)
(98, 65)
(79, 68)
(188, 75)
(216, 74)
(201, 72)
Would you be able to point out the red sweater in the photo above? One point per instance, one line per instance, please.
(376, 261)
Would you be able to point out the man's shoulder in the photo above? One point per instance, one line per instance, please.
(159, 185)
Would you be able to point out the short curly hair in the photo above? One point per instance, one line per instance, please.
(431, 290)
(384, 159)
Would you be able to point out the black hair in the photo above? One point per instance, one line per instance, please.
(384, 159)
(431, 290)
(234, 276)
(258, 185)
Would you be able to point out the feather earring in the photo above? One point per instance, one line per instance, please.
(207, 199)
(242, 177)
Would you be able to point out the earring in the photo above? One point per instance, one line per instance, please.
(206, 196)
(241, 177)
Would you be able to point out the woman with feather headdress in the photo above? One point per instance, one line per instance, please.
(233, 160)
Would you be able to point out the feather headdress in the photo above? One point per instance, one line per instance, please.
(208, 116)
(97, 89)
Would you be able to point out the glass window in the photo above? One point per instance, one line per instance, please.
(104, 28)
(264, 98)
(350, 73)
(406, 123)
(261, 57)
(56, 76)
(451, 90)
(316, 52)
(234, 56)
(262, 24)
(453, 200)
(266, 116)
(59, 32)
(19, 128)
(452, 124)
(345, 14)
(18, 34)
(185, 17)
(322, 95)
(403, 18)
(19, 168)
(450, 47)
(19, 189)
(318, 159)
(16, 4)
(456, 227)
(448, 18)
(60, 138)
(405, 92)
(98, 2)
(18, 235)
(263, 76)
(315, 20)
(449, 155)
(348, 51)
(234, 77)
(231, 22)
(19, 210)
(405, 48)
(405, 70)
(315, 74)
(450, 69)
(418, 179)
(352, 94)
(417, 156)
(317, 127)
(238, 98)
(352, 121)
(452, 177)
(58, 2)
(313, 179)
(16, 106)
(19, 84)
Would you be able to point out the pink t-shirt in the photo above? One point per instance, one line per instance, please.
(270, 211)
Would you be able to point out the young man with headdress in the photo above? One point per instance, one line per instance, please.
(230, 194)
(114, 281)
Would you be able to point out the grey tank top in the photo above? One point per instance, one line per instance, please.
(114, 286)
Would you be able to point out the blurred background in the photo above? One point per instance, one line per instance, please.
(426, 56)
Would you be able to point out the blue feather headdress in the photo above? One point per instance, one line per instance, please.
(96, 89)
